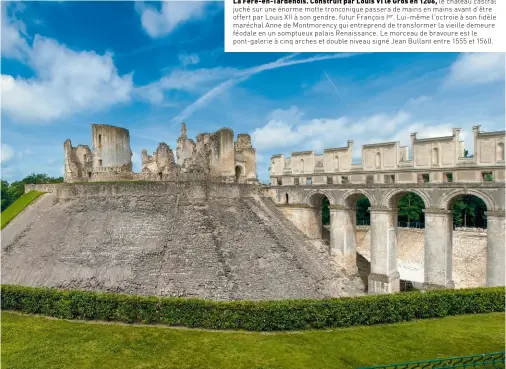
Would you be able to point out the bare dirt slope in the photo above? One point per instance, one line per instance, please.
(169, 245)
(469, 255)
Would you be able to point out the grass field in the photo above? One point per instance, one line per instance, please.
(38, 342)
(17, 206)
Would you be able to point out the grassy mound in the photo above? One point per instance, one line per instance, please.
(33, 342)
(18, 206)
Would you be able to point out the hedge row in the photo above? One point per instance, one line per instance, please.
(252, 315)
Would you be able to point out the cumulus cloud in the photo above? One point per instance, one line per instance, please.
(157, 23)
(289, 128)
(7, 153)
(476, 69)
(66, 81)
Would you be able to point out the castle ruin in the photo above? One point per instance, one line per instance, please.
(214, 156)
(189, 224)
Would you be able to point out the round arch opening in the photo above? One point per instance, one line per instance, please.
(410, 206)
(468, 211)
(238, 172)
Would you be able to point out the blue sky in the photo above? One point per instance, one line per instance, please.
(150, 66)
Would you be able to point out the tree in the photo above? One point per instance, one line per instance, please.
(410, 208)
(363, 206)
(325, 211)
(6, 199)
(469, 211)
(463, 211)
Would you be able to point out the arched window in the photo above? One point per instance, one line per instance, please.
(336, 163)
(237, 173)
(378, 160)
(500, 151)
(286, 197)
(302, 165)
(435, 156)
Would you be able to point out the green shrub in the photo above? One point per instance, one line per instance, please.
(252, 315)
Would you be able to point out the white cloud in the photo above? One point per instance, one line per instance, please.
(158, 23)
(244, 74)
(476, 68)
(23, 153)
(136, 162)
(288, 129)
(13, 43)
(419, 101)
(67, 82)
(7, 153)
(183, 80)
(189, 59)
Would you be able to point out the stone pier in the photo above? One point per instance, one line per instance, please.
(495, 248)
(384, 277)
(438, 249)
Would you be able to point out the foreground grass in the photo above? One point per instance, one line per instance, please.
(17, 206)
(38, 342)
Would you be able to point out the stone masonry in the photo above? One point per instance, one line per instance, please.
(193, 239)
(437, 171)
(215, 157)
(198, 223)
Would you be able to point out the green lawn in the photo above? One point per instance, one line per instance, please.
(17, 206)
(37, 342)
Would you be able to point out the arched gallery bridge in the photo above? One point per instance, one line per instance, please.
(302, 204)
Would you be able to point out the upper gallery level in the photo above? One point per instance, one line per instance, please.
(438, 159)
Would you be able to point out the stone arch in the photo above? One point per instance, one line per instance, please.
(238, 173)
(345, 196)
(387, 198)
(313, 198)
(445, 200)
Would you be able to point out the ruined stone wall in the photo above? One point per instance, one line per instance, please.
(50, 187)
(490, 148)
(223, 153)
(109, 160)
(245, 157)
(435, 160)
(439, 152)
(214, 157)
(111, 147)
(185, 147)
(78, 162)
(196, 189)
(380, 156)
